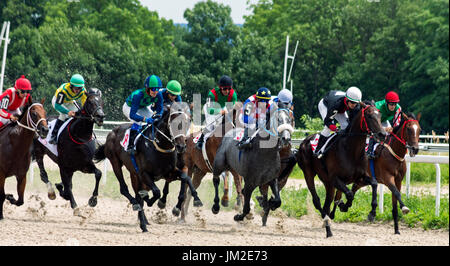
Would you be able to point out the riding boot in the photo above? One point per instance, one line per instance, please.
(200, 141)
(58, 125)
(370, 151)
(131, 148)
(317, 153)
(245, 141)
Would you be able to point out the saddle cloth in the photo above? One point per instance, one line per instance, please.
(126, 137)
(314, 141)
(239, 134)
(196, 138)
(51, 126)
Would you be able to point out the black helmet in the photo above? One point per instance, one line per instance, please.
(225, 81)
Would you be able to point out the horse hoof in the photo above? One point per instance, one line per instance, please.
(371, 218)
(198, 203)
(176, 211)
(76, 212)
(161, 204)
(405, 210)
(224, 202)
(238, 217)
(10, 198)
(264, 220)
(249, 216)
(137, 207)
(215, 209)
(51, 195)
(93, 201)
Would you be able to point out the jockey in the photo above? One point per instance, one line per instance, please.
(216, 105)
(253, 113)
(172, 92)
(390, 110)
(12, 99)
(333, 107)
(64, 101)
(284, 100)
(136, 107)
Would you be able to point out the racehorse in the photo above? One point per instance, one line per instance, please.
(344, 161)
(156, 158)
(390, 165)
(15, 155)
(196, 166)
(75, 147)
(258, 165)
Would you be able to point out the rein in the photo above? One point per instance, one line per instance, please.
(400, 139)
(71, 138)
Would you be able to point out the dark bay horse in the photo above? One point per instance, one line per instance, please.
(344, 163)
(196, 166)
(76, 147)
(15, 155)
(258, 165)
(156, 159)
(390, 165)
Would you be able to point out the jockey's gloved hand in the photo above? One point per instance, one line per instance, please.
(332, 127)
(156, 117)
(149, 120)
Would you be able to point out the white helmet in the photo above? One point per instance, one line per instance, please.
(285, 96)
(353, 94)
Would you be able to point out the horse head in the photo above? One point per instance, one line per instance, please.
(281, 122)
(35, 118)
(410, 132)
(93, 107)
(370, 121)
(179, 122)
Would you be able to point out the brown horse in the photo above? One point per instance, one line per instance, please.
(344, 163)
(390, 165)
(197, 168)
(15, 155)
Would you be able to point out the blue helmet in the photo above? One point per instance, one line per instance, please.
(153, 81)
(263, 94)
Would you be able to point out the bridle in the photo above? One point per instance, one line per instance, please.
(31, 125)
(401, 139)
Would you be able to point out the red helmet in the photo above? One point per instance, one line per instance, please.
(392, 97)
(23, 84)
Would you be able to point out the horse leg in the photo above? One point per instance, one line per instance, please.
(238, 184)
(348, 194)
(143, 222)
(337, 201)
(216, 206)
(396, 196)
(248, 189)
(98, 175)
(374, 184)
(21, 183)
(2, 194)
(66, 188)
(330, 190)
(309, 178)
(196, 180)
(155, 190)
(117, 168)
(163, 199)
(44, 177)
(193, 192)
(263, 202)
(224, 201)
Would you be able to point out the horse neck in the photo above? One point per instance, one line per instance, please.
(398, 147)
(163, 142)
(356, 138)
(24, 136)
(82, 128)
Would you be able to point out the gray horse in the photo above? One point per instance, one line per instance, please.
(259, 164)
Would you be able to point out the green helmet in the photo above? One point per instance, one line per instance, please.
(153, 81)
(77, 80)
(174, 87)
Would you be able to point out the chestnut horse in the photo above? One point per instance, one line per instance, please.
(197, 168)
(15, 155)
(390, 165)
(343, 163)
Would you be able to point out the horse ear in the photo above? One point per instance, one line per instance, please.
(43, 101)
(419, 115)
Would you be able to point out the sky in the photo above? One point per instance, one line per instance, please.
(174, 9)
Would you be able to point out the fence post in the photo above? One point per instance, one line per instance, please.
(381, 198)
(408, 178)
(438, 189)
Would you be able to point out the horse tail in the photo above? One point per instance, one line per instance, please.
(100, 154)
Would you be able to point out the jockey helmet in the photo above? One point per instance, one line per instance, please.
(392, 97)
(174, 87)
(23, 84)
(263, 94)
(353, 94)
(77, 80)
(153, 81)
(225, 81)
(285, 96)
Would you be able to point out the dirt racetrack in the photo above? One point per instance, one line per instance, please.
(112, 222)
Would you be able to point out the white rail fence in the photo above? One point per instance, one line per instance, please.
(432, 146)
